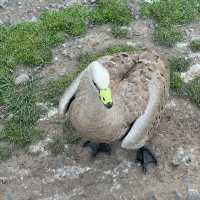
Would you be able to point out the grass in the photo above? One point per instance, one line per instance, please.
(189, 90)
(119, 32)
(23, 112)
(167, 36)
(57, 146)
(179, 64)
(195, 45)
(169, 13)
(5, 152)
(193, 91)
(111, 12)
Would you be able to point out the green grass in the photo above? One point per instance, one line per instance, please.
(111, 12)
(189, 90)
(30, 43)
(193, 91)
(5, 152)
(172, 12)
(179, 64)
(195, 45)
(119, 32)
(57, 146)
(167, 36)
(168, 14)
(23, 112)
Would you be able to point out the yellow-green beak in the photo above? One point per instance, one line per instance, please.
(106, 97)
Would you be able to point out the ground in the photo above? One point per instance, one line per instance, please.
(35, 173)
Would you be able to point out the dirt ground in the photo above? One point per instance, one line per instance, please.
(72, 175)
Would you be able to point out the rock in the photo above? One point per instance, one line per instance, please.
(8, 196)
(178, 196)
(21, 78)
(151, 197)
(193, 195)
(150, 1)
(3, 3)
(191, 74)
(136, 44)
(1, 22)
(181, 45)
(19, 3)
(33, 19)
(182, 157)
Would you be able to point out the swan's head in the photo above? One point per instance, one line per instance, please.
(101, 80)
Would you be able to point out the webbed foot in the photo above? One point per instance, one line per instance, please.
(98, 148)
(144, 156)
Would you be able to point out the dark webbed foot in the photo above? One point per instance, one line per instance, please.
(98, 148)
(145, 157)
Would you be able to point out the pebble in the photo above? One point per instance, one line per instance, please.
(1, 22)
(19, 3)
(3, 3)
(191, 74)
(193, 195)
(151, 197)
(178, 196)
(181, 45)
(182, 157)
(22, 78)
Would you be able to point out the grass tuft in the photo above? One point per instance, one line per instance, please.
(190, 90)
(193, 91)
(179, 64)
(167, 36)
(23, 113)
(172, 12)
(195, 45)
(168, 14)
(119, 32)
(57, 146)
(5, 152)
(113, 12)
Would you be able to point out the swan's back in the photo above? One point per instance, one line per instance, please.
(130, 75)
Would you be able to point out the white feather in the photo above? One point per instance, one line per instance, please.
(100, 75)
(138, 134)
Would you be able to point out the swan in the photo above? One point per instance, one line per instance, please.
(118, 97)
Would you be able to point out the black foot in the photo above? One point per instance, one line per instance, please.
(98, 147)
(145, 157)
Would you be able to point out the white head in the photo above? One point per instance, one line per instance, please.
(101, 80)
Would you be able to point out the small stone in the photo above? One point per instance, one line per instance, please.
(33, 19)
(92, 1)
(151, 197)
(177, 196)
(21, 78)
(182, 157)
(8, 196)
(3, 3)
(19, 3)
(193, 195)
(191, 74)
(137, 17)
(1, 22)
(181, 45)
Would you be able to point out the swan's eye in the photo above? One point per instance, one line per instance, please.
(95, 84)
